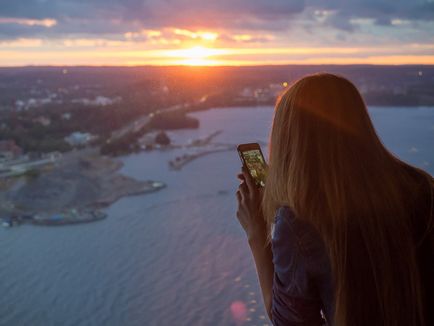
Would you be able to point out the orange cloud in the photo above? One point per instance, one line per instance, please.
(204, 35)
(29, 22)
(21, 43)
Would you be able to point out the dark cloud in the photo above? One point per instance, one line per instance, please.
(382, 12)
(12, 31)
(111, 17)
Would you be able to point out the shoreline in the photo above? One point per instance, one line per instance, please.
(84, 180)
(272, 105)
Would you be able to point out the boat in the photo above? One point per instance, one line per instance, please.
(7, 222)
(158, 184)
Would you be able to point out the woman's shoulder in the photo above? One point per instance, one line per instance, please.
(293, 227)
(295, 235)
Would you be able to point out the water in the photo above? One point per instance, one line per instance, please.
(176, 257)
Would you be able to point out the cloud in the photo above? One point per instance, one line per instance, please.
(114, 18)
(29, 22)
(382, 12)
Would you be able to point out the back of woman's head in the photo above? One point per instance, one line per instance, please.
(328, 164)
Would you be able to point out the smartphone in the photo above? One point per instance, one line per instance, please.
(252, 158)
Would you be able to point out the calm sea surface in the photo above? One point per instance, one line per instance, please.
(175, 257)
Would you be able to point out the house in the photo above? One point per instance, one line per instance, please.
(9, 150)
(79, 138)
(66, 116)
(44, 121)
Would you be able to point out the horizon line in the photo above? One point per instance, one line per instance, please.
(218, 66)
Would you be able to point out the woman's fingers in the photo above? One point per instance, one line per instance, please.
(251, 186)
(238, 194)
(243, 189)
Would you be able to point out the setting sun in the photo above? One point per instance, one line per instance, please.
(196, 56)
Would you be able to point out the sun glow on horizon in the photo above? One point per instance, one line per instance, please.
(196, 56)
(96, 52)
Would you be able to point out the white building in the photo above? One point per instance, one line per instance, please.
(79, 138)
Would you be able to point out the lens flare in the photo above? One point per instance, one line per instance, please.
(239, 312)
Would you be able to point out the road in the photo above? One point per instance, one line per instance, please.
(144, 120)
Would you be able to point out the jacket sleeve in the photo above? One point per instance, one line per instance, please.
(297, 251)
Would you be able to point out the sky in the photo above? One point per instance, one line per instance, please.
(215, 32)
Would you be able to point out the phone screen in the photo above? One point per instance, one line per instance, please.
(256, 165)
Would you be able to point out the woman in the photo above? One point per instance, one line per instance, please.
(343, 232)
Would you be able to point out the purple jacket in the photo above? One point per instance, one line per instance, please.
(302, 285)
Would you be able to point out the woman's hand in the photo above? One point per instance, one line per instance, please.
(250, 216)
(249, 212)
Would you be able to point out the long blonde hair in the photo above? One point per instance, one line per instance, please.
(328, 164)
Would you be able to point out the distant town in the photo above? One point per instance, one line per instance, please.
(50, 115)
(56, 109)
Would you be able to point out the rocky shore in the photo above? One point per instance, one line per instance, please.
(80, 180)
